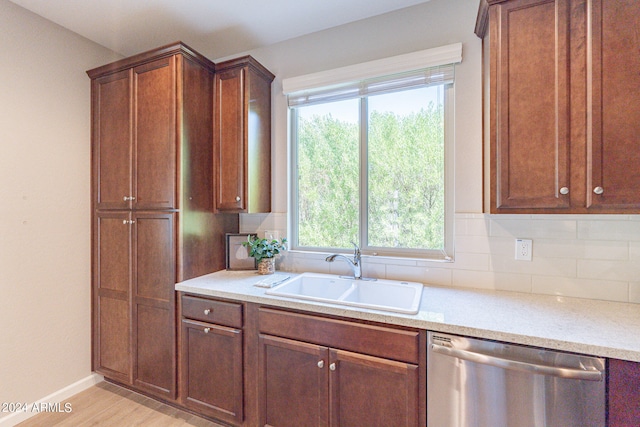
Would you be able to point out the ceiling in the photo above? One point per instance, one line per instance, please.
(216, 28)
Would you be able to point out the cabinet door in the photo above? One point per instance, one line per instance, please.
(212, 370)
(530, 103)
(112, 276)
(155, 135)
(613, 112)
(154, 278)
(370, 391)
(623, 383)
(293, 383)
(229, 138)
(112, 141)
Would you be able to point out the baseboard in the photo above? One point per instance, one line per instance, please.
(58, 396)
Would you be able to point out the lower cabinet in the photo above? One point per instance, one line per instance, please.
(305, 384)
(320, 381)
(623, 384)
(133, 307)
(244, 364)
(211, 375)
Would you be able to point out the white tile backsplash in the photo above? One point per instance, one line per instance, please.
(634, 251)
(634, 292)
(614, 229)
(585, 256)
(595, 289)
(609, 270)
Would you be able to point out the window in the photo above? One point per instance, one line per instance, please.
(372, 165)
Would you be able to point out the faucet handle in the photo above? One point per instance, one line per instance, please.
(356, 251)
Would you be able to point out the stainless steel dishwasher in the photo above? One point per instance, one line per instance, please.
(479, 383)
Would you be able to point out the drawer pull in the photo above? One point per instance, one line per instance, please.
(207, 311)
(598, 190)
(206, 330)
(332, 367)
(321, 364)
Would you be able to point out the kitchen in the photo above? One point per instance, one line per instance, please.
(46, 250)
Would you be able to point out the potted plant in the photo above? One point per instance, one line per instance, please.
(264, 251)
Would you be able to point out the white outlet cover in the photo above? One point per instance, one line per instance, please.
(524, 249)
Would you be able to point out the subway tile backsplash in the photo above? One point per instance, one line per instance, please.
(585, 256)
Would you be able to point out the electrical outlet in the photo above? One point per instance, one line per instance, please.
(524, 249)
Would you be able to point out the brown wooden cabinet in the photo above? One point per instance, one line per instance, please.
(153, 211)
(560, 117)
(242, 140)
(623, 385)
(136, 127)
(322, 381)
(212, 362)
(135, 269)
(111, 296)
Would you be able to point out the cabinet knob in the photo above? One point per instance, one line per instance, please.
(207, 311)
(598, 190)
(128, 221)
(564, 190)
(127, 198)
(332, 367)
(237, 198)
(321, 364)
(206, 330)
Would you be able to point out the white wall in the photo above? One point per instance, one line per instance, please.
(44, 205)
(583, 256)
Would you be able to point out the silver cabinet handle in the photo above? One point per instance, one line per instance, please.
(207, 311)
(516, 365)
(332, 367)
(321, 364)
(206, 330)
(564, 190)
(128, 221)
(237, 198)
(598, 190)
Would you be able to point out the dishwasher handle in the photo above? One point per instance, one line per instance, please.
(570, 373)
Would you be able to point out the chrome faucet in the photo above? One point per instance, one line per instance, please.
(354, 263)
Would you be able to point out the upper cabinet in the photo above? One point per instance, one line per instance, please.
(135, 137)
(560, 107)
(613, 105)
(242, 136)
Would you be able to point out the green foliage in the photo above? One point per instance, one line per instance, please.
(264, 248)
(405, 180)
(328, 170)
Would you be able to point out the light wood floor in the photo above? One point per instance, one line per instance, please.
(108, 405)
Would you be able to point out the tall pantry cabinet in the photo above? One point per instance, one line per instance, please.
(153, 211)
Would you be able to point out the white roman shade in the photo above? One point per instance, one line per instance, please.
(423, 68)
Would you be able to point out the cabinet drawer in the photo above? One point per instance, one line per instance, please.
(212, 311)
(397, 344)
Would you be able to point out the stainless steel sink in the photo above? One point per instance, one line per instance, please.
(387, 295)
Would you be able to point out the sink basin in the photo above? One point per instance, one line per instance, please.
(387, 295)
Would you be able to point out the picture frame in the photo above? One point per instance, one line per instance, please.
(237, 255)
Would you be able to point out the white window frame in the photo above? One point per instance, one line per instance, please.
(405, 63)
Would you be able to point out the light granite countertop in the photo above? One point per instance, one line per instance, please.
(600, 328)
